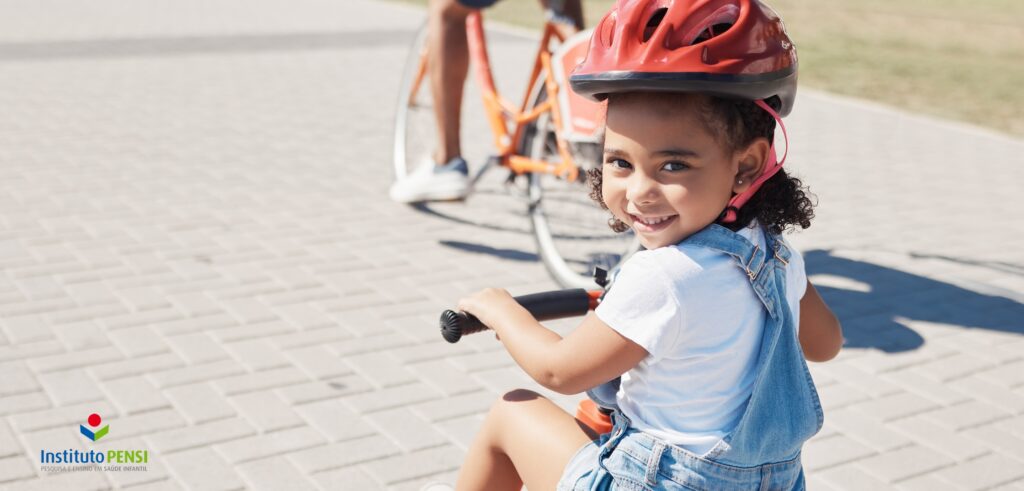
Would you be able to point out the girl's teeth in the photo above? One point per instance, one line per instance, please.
(653, 221)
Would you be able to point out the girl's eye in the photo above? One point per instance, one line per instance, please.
(675, 166)
(619, 164)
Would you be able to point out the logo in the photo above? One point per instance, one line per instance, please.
(94, 421)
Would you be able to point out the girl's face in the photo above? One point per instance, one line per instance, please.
(664, 174)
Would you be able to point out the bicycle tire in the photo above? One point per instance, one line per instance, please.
(415, 128)
(570, 229)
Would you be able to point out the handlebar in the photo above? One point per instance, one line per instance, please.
(556, 304)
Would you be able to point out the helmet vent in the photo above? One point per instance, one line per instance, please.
(654, 22)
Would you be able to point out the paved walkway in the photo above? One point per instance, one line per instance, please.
(195, 244)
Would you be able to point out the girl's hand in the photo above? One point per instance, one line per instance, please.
(491, 305)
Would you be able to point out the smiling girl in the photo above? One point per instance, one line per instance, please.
(700, 345)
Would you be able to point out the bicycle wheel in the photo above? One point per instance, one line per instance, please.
(415, 126)
(571, 229)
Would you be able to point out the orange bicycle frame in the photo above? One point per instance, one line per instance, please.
(502, 113)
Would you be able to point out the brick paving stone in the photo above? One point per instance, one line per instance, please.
(991, 393)
(137, 341)
(133, 395)
(199, 402)
(199, 435)
(28, 351)
(1008, 375)
(202, 468)
(851, 477)
(16, 468)
(957, 445)
(252, 331)
(197, 348)
(927, 482)
(78, 359)
(345, 478)
(343, 454)
(265, 411)
(257, 354)
(270, 444)
(8, 442)
(375, 342)
(81, 336)
(177, 326)
(58, 416)
(273, 474)
(405, 427)
(156, 317)
(155, 468)
(199, 373)
(79, 481)
(136, 366)
(194, 304)
(857, 424)
(248, 311)
(304, 316)
(267, 379)
(415, 464)
(456, 406)
(17, 379)
(381, 369)
(318, 362)
(461, 430)
(26, 328)
(391, 397)
(445, 377)
(145, 298)
(997, 437)
(24, 403)
(895, 406)
(325, 389)
(954, 367)
(822, 453)
(919, 384)
(966, 415)
(335, 421)
(142, 423)
(905, 462)
(984, 472)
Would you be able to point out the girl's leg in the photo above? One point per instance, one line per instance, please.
(525, 439)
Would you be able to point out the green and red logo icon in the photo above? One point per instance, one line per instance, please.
(94, 421)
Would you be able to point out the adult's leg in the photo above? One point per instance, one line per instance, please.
(525, 439)
(568, 9)
(448, 62)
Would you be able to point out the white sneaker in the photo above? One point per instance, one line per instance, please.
(431, 182)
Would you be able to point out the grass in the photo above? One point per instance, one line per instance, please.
(956, 59)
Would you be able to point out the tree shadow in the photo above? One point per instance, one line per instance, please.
(880, 297)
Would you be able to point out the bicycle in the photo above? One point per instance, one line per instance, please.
(552, 139)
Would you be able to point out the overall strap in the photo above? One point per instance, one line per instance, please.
(755, 262)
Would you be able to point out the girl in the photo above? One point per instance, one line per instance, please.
(700, 345)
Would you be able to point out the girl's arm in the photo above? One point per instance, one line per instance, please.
(590, 355)
(821, 336)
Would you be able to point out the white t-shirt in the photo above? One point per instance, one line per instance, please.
(695, 313)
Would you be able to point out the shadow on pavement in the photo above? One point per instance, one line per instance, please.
(871, 310)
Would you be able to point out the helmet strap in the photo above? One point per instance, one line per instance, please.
(771, 167)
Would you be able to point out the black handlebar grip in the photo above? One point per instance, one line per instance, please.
(544, 306)
(455, 324)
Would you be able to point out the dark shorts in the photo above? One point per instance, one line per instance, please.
(478, 4)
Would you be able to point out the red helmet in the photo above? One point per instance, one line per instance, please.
(731, 48)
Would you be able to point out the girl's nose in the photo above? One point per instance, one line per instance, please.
(641, 188)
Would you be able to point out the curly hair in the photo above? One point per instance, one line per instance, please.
(782, 202)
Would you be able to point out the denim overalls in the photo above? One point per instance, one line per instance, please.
(763, 451)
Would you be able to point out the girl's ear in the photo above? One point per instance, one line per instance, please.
(751, 161)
